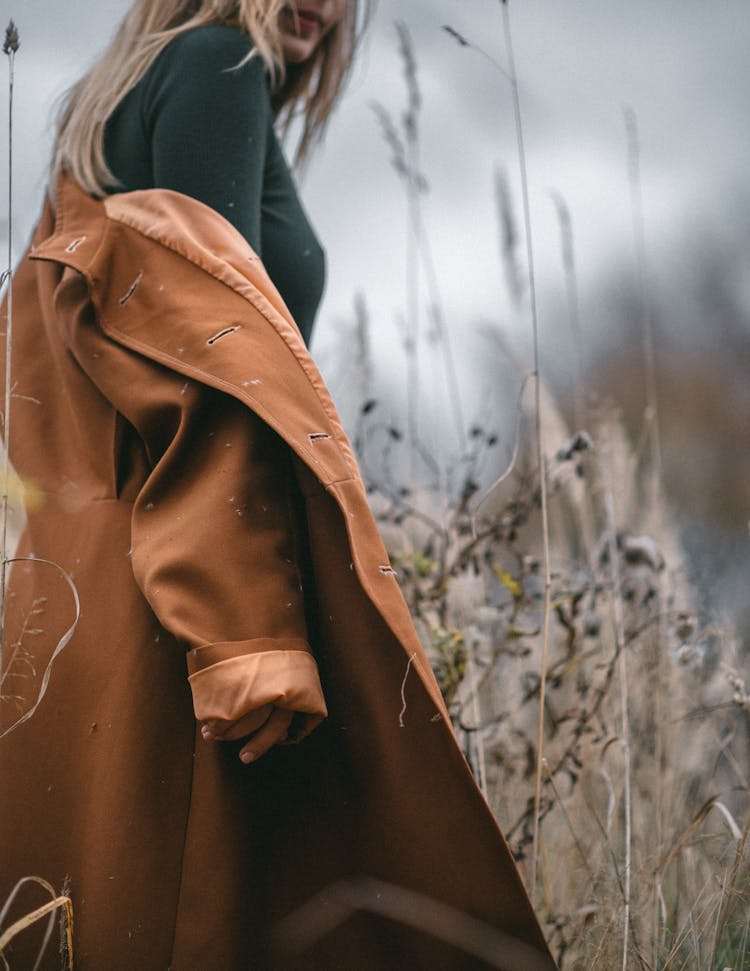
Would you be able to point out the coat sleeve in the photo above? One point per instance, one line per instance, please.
(214, 529)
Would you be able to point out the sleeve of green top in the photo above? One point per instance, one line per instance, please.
(209, 124)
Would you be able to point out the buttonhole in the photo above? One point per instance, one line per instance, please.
(131, 289)
(73, 246)
(223, 333)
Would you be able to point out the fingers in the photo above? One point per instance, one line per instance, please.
(267, 725)
(273, 731)
(219, 730)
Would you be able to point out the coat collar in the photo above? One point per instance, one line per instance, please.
(173, 280)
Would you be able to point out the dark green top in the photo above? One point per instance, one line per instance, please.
(194, 126)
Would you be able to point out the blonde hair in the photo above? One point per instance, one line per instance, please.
(309, 89)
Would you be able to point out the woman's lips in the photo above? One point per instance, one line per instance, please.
(305, 21)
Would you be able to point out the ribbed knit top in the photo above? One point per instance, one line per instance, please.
(199, 125)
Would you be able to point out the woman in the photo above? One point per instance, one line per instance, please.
(197, 486)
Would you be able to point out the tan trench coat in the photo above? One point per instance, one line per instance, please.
(192, 477)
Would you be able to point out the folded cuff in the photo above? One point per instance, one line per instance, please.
(231, 679)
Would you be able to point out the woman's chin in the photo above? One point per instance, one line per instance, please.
(297, 50)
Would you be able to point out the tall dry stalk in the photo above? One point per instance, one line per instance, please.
(512, 75)
(508, 238)
(442, 330)
(627, 679)
(10, 48)
(62, 643)
(413, 189)
(539, 438)
(57, 904)
(567, 249)
(621, 653)
(728, 890)
(651, 434)
(645, 313)
(420, 263)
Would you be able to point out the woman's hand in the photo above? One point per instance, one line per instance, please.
(267, 726)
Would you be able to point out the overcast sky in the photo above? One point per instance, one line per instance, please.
(681, 65)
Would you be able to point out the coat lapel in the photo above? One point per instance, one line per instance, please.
(173, 280)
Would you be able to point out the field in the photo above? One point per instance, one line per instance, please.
(603, 708)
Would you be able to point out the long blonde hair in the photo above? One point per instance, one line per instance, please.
(309, 89)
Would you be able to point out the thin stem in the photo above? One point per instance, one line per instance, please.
(583, 853)
(449, 360)
(651, 431)
(478, 736)
(59, 647)
(644, 303)
(410, 123)
(539, 442)
(659, 743)
(465, 42)
(728, 891)
(619, 631)
(574, 309)
(8, 347)
(412, 323)
(490, 490)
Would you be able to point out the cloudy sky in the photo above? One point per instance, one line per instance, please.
(680, 65)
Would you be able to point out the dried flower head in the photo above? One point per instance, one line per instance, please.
(741, 695)
(580, 442)
(12, 42)
(456, 36)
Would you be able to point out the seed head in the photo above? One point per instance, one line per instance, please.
(12, 42)
(456, 36)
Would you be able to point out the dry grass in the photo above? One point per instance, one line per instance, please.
(644, 810)
(57, 904)
(476, 591)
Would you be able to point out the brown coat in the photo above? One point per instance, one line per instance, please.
(192, 477)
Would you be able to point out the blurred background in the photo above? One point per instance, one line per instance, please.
(636, 129)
